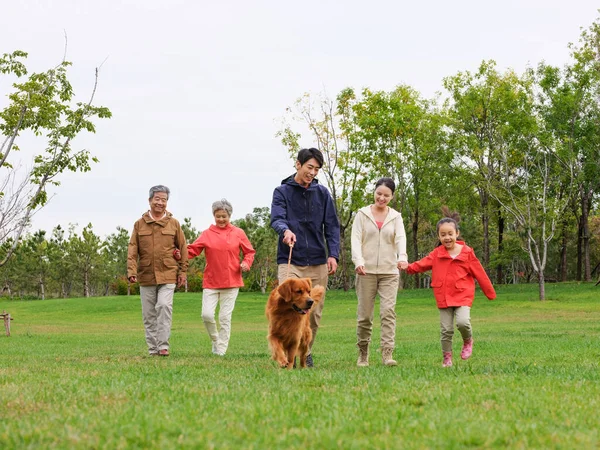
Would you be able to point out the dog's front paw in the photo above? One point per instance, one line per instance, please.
(283, 364)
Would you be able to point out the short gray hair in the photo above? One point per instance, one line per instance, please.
(222, 204)
(159, 188)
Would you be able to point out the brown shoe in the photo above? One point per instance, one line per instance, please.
(163, 352)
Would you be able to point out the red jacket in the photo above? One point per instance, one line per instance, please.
(222, 249)
(452, 280)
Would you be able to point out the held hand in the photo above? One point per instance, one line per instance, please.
(402, 265)
(244, 266)
(177, 254)
(181, 278)
(360, 270)
(331, 265)
(289, 238)
(133, 279)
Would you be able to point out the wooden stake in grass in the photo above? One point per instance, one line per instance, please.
(7, 319)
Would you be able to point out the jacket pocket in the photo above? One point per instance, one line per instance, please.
(462, 283)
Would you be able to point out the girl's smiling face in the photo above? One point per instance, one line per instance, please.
(447, 233)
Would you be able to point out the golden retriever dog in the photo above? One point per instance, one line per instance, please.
(288, 312)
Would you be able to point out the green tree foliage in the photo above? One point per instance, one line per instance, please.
(264, 240)
(42, 104)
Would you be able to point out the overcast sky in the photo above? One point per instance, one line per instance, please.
(197, 88)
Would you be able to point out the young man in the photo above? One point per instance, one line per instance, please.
(150, 261)
(304, 216)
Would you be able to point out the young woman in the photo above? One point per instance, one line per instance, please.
(378, 251)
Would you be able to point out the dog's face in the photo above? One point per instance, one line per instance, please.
(296, 291)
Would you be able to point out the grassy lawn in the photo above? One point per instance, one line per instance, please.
(74, 374)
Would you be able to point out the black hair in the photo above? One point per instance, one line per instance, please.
(449, 217)
(307, 153)
(387, 182)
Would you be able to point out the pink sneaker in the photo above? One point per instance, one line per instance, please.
(467, 349)
(447, 359)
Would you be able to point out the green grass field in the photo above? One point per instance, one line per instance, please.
(74, 374)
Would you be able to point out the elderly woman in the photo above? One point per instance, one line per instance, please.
(221, 243)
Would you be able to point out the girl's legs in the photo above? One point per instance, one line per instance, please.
(228, 297)
(210, 298)
(463, 323)
(446, 328)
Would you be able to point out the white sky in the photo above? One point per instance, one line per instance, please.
(197, 88)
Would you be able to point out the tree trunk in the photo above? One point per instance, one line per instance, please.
(562, 275)
(541, 285)
(579, 248)
(415, 244)
(42, 290)
(86, 285)
(586, 202)
(485, 221)
(345, 276)
(499, 269)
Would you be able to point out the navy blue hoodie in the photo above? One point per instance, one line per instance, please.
(310, 214)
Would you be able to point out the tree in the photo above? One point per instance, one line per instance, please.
(196, 268)
(532, 188)
(486, 112)
(570, 106)
(114, 255)
(42, 105)
(264, 240)
(62, 265)
(330, 124)
(85, 251)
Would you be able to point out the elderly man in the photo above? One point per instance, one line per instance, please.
(304, 216)
(150, 261)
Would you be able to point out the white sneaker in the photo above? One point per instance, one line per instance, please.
(214, 347)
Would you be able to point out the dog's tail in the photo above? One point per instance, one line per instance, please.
(317, 293)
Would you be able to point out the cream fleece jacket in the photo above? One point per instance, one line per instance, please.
(378, 250)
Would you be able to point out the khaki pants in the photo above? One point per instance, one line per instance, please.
(210, 298)
(462, 314)
(318, 276)
(157, 313)
(367, 288)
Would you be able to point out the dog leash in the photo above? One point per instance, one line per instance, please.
(290, 260)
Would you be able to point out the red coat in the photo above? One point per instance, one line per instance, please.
(222, 249)
(453, 280)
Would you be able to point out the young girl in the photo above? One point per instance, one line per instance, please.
(454, 267)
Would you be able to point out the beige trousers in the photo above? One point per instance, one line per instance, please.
(157, 313)
(367, 288)
(226, 298)
(462, 314)
(318, 276)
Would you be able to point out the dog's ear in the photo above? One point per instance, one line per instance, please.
(285, 290)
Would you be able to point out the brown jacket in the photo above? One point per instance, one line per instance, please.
(150, 254)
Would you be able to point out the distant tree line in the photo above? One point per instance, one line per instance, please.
(517, 155)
